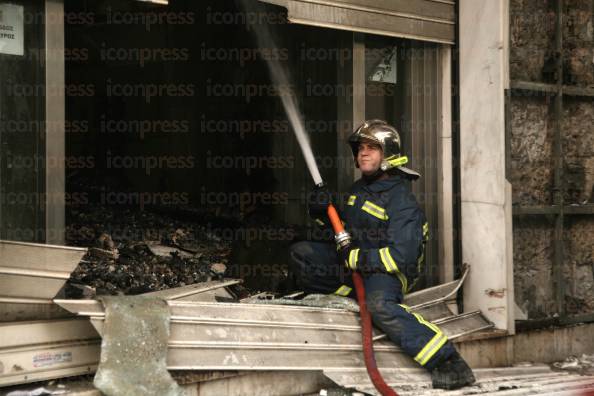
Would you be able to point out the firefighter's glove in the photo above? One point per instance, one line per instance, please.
(317, 202)
(345, 271)
(351, 256)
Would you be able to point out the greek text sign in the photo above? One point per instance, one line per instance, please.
(11, 29)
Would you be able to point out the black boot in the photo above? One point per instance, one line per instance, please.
(452, 373)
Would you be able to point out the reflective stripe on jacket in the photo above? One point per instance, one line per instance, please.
(385, 220)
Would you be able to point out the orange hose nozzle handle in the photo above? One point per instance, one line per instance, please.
(337, 225)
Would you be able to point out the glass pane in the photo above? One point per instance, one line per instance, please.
(22, 114)
(403, 88)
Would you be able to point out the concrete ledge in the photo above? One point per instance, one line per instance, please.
(496, 350)
(254, 383)
(542, 346)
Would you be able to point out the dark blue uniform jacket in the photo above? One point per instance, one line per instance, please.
(388, 227)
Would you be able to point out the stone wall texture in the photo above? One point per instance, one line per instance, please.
(532, 168)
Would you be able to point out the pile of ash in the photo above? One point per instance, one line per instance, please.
(133, 252)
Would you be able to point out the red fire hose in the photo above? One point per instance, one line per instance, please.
(343, 239)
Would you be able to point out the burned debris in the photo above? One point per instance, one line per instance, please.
(134, 252)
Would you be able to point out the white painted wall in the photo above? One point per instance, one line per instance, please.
(485, 194)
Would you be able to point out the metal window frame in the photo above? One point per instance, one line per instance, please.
(426, 20)
(55, 115)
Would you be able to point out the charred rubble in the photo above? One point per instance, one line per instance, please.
(133, 251)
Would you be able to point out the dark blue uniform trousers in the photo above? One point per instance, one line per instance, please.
(317, 270)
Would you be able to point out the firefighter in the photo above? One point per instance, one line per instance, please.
(389, 233)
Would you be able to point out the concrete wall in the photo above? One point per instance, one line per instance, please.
(537, 346)
(485, 200)
(532, 28)
(483, 78)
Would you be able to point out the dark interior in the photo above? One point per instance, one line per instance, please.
(179, 116)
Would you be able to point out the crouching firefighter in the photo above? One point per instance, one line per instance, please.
(389, 233)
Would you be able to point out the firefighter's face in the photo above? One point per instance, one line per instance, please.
(369, 158)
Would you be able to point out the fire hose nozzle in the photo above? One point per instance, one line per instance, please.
(342, 239)
(341, 236)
